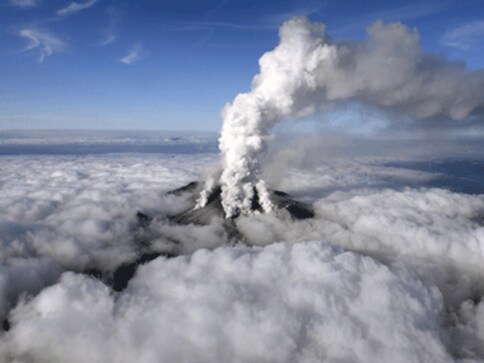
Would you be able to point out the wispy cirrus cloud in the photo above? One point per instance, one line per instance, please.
(133, 56)
(109, 37)
(75, 7)
(41, 41)
(23, 3)
(110, 33)
(465, 36)
(209, 25)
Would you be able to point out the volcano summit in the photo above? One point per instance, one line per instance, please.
(281, 202)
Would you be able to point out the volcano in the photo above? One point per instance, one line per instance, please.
(213, 208)
(284, 206)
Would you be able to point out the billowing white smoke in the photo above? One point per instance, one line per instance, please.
(307, 72)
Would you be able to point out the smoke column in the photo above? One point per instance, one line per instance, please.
(306, 72)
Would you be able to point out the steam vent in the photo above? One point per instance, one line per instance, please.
(213, 208)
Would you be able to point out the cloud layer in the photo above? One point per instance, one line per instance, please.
(393, 266)
(72, 213)
(227, 305)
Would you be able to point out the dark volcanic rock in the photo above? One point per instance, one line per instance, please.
(190, 187)
(5, 325)
(203, 215)
(143, 219)
(296, 209)
(213, 208)
(124, 273)
(118, 280)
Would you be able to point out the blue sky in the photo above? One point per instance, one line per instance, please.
(173, 64)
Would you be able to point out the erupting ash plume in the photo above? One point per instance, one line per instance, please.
(307, 72)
